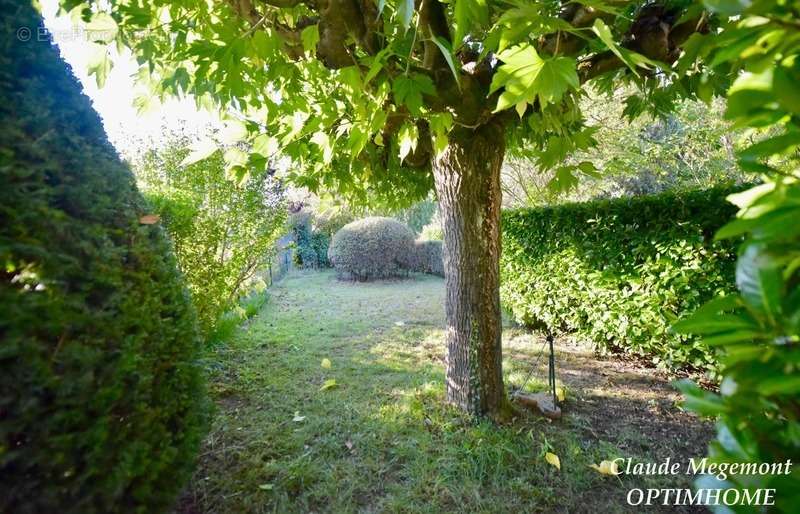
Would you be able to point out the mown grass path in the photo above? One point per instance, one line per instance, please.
(381, 440)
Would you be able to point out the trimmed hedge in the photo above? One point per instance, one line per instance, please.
(371, 248)
(101, 397)
(620, 272)
(426, 257)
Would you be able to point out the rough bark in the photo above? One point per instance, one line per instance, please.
(467, 176)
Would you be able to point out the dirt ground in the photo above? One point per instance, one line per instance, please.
(620, 398)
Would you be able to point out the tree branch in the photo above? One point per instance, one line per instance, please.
(433, 23)
(652, 35)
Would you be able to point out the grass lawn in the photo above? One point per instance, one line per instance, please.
(381, 438)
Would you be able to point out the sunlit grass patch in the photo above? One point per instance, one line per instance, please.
(382, 439)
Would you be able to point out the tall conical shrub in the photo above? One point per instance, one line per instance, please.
(101, 397)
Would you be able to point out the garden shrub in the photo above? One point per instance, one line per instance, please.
(223, 231)
(620, 272)
(427, 257)
(371, 248)
(101, 399)
(310, 245)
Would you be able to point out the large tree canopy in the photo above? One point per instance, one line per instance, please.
(360, 94)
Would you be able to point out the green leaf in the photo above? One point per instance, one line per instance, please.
(700, 401)
(781, 144)
(234, 157)
(444, 47)
(715, 324)
(599, 5)
(563, 181)
(440, 124)
(604, 33)
(233, 131)
(266, 145)
(264, 45)
(310, 37)
(527, 77)
(200, 150)
(784, 87)
(408, 91)
(468, 14)
(780, 384)
(706, 314)
(322, 140)
(749, 93)
(405, 11)
(407, 139)
(376, 65)
(100, 64)
(727, 7)
(759, 279)
(329, 384)
(102, 28)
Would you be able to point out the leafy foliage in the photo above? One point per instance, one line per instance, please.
(360, 97)
(310, 245)
(619, 272)
(102, 404)
(690, 148)
(372, 248)
(757, 330)
(223, 228)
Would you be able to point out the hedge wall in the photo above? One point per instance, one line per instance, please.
(101, 399)
(620, 272)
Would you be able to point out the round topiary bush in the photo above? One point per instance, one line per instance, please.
(371, 248)
(102, 405)
(427, 257)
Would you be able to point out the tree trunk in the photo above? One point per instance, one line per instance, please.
(467, 176)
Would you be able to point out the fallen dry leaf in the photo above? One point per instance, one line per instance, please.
(329, 384)
(553, 460)
(607, 467)
(149, 219)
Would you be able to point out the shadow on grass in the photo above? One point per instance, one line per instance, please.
(381, 439)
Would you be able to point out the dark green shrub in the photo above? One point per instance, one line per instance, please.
(320, 243)
(310, 246)
(371, 248)
(427, 257)
(101, 398)
(620, 272)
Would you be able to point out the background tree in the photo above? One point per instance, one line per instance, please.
(386, 99)
(689, 147)
(223, 231)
